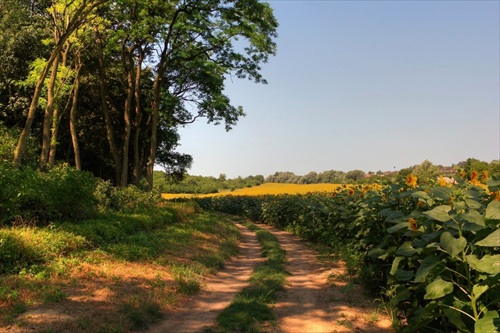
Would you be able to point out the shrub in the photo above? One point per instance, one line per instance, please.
(63, 193)
(129, 198)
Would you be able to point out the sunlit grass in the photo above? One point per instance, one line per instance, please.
(145, 262)
(267, 188)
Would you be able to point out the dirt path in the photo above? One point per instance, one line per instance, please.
(310, 304)
(218, 292)
(314, 304)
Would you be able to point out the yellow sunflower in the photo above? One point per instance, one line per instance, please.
(411, 180)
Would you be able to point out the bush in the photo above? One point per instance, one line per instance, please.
(63, 193)
(128, 199)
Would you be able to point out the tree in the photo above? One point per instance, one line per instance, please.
(426, 171)
(22, 26)
(355, 175)
(154, 66)
(196, 53)
(75, 14)
(473, 164)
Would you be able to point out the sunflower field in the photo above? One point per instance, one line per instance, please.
(432, 250)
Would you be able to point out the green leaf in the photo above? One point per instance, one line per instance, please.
(455, 317)
(420, 194)
(459, 205)
(403, 275)
(479, 289)
(376, 252)
(492, 240)
(390, 252)
(440, 213)
(395, 265)
(426, 267)
(493, 210)
(473, 204)
(451, 244)
(487, 264)
(489, 323)
(474, 216)
(406, 250)
(438, 288)
(398, 227)
(443, 193)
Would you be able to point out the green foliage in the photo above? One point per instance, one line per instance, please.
(33, 196)
(426, 171)
(202, 185)
(21, 249)
(127, 199)
(433, 251)
(8, 142)
(190, 49)
(331, 176)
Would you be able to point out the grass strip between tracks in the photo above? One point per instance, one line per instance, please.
(251, 308)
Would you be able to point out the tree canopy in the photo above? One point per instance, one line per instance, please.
(105, 85)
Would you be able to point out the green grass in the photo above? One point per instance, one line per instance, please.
(41, 265)
(251, 307)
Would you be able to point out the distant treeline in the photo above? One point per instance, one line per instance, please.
(203, 185)
(425, 171)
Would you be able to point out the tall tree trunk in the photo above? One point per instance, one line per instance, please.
(157, 86)
(56, 120)
(154, 130)
(128, 126)
(57, 115)
(49, 111)
(107, 116)
(136, 171)
(73, 112)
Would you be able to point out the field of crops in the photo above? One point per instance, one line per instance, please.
(432, 250)
(267, 188)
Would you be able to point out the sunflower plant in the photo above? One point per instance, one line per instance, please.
(445, 267)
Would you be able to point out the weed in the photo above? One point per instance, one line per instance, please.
(187, 279)
(142, 314)
(54, 295)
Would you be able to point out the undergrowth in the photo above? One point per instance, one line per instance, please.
(145, 260)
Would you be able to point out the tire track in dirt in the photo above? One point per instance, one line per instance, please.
(218, 292)
(314, 304)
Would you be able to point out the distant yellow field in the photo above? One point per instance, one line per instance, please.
(267, 188)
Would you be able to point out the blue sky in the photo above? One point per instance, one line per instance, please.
(369, 85)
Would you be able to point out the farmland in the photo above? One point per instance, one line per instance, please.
(264, 189)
